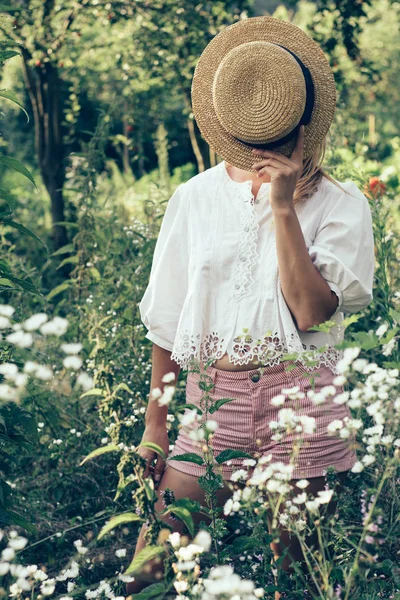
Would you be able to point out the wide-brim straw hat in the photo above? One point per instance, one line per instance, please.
(255, 83)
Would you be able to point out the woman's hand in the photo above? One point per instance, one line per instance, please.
(157, 434)
(285, 172)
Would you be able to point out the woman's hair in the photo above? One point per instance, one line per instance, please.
(313, 174)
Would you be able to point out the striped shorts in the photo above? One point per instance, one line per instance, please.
(243, 424)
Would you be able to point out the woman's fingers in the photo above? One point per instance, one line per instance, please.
(269, 170)
(151, 470)
(270, 162)
(149, 457)
(158, 470)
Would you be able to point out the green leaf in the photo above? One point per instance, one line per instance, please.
(230, 454)
(70, 260)
(189, 457)
(9, 198)
(123, 386)
(9, 517)
(23, 229)
(128, 517)
(242, 543)
(146, 554)
(154, 589)
(191, 406)
(6, 283)
(57, 290)
(64, 250)
(391, 364)
(10, 95)
(95, 273)
(190, 505)
(184, 515)
(15, 164)
(99, 452)
(6, 54)
(150, 492)
(350, 319)
(93, 392)
(25, 285)
(7, 7)
(154, 447)
(214, 407)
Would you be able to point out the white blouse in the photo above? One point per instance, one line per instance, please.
(214, 285)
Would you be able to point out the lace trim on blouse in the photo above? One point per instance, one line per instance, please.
(247, 255)
(244, 348)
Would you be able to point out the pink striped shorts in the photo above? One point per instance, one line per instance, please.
(243, 424)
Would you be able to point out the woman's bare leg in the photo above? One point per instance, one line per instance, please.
(183, 486)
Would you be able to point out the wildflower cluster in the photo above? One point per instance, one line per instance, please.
(220, 583)
(28, 338)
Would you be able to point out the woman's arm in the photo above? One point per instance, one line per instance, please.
(308, 296)
(156, 415)
(161, 365)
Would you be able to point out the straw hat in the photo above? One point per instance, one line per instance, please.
(255, 83)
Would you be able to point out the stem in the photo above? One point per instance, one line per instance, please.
(364, 531)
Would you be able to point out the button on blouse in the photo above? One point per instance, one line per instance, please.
(214, 284)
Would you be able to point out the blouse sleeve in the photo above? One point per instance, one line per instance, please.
(162, 302)
(343, 249)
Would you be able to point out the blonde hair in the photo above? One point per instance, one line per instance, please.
(312, 174)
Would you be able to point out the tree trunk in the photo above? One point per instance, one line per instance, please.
(126, 158)
(44, 87)
(195, 145)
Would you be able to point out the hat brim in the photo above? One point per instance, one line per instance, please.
(273, 30)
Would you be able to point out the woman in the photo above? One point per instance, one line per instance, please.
(251, 254)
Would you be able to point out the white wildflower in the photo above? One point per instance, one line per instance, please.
(382, 329)
(9, 370)
(211, 425)
(302, 483)
(85, 381)
(71, 348)
(8, 393)
(175, 539)
(278, 400)
(79, 546)
(388, 348)
(334, 425)
(239, 474)
(48, 587)
(325, 496)
(57, 326)
(72, 362)
(168, 377)
(6, 310)
(368, 459)
(203, 539)
(18, 543)
(188, 417)
(4, 323)
(35, 321)
(20, 339)
(168, 394)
